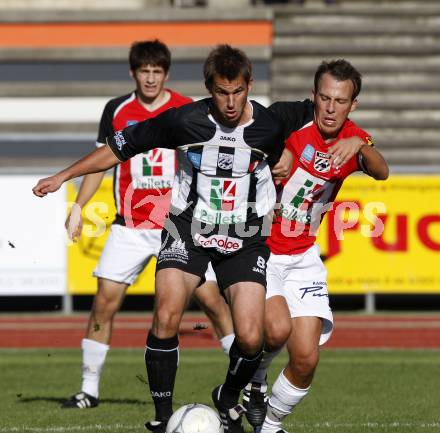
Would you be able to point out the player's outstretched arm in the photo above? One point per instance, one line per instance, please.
(89, 186)
(99, 160)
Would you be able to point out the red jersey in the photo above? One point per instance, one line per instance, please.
(306, 195)
(142, 185)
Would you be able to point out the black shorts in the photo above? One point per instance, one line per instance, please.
(233, 260)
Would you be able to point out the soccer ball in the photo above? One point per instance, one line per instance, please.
(194, 418)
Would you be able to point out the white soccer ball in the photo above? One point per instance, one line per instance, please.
(194, 418)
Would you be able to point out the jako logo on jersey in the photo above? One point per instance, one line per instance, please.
(131, 122)
(152, 163)
(222, 195)
(120, 140)
(225, 161)
(308, 152)
(221, 242)
(226, 138)
(322, 162)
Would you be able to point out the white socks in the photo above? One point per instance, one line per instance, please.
(94, 354)
(261, 374)
(285, 397)
(226, 342)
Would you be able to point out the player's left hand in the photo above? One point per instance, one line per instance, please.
(344, 150)
(74, 223)
(283, 167)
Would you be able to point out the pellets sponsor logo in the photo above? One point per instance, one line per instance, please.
(218, 217)
(151, 183)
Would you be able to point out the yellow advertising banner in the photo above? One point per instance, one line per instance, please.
(82, 256)
(384, 237)
(379, 237)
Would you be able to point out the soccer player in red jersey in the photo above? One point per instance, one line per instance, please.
(142, 193)
(325, 151)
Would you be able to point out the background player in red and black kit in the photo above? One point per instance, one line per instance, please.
(142, 193)
(326, 150)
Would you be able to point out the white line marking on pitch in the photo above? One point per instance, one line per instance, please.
(297, 425)
(371, 425)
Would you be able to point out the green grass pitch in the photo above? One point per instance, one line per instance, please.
(354, 391)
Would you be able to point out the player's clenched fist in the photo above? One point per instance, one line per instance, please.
(48, 184)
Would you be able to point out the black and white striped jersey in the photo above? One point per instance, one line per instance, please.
(223, 174)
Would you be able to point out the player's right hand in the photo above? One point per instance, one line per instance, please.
(74, 223)
(46, 185)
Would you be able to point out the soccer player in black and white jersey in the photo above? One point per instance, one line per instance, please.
(223, 193)
(135, 234)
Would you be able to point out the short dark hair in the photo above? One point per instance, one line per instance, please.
(154, 53)
(342, 70)
(227, 62)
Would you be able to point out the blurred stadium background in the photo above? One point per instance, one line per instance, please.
(60, 61)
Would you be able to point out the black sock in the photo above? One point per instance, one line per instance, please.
(241, 370)
(161, 359)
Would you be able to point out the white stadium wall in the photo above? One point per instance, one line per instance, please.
(65, 109)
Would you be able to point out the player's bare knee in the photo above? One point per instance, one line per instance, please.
(276, 334)
(304, 365)
(166, 321)
(104, 308)
(250, 342)
(250, 348)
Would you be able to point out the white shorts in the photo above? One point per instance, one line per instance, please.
(128, 251)
(302, 280)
